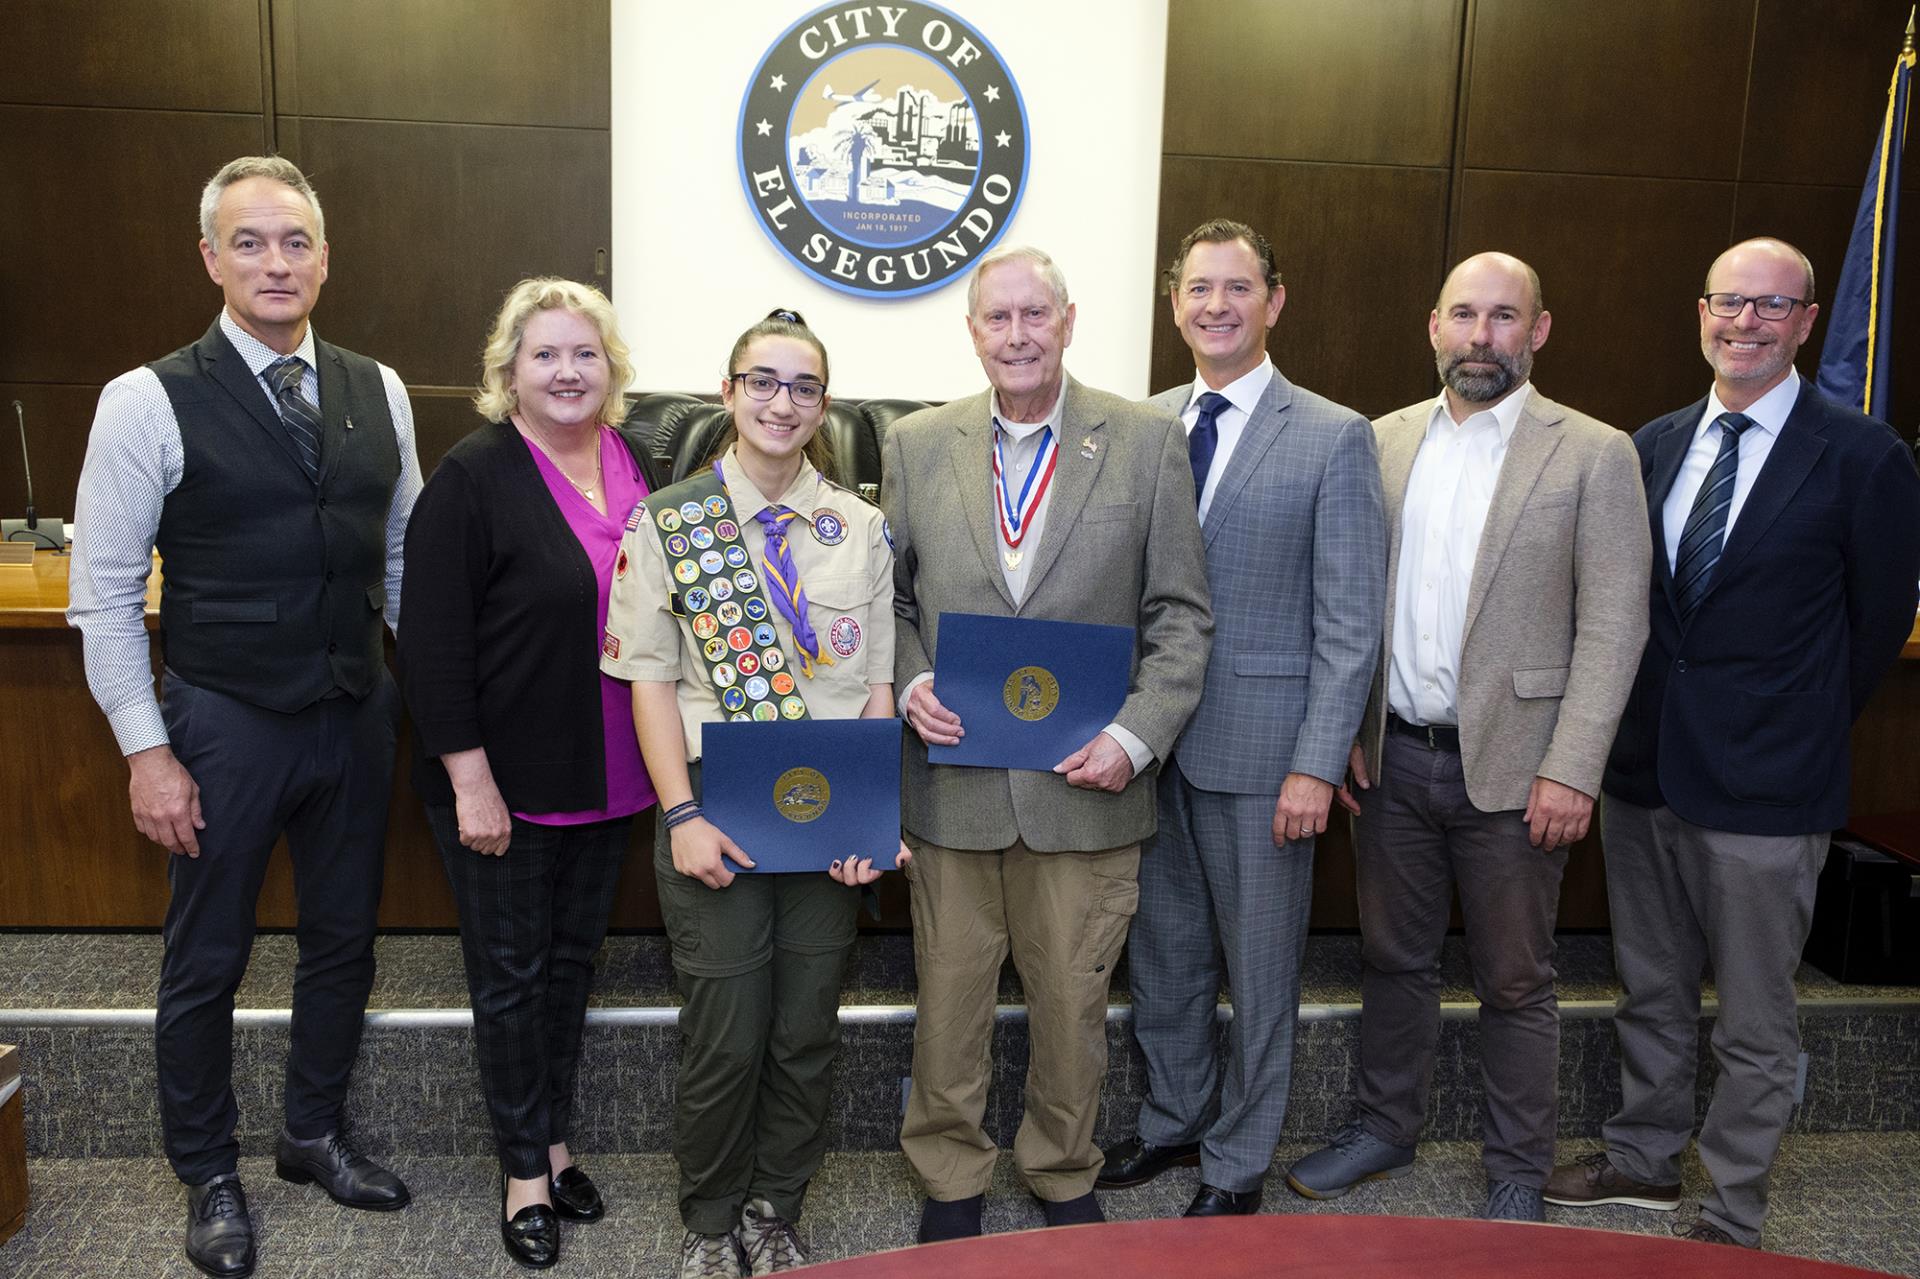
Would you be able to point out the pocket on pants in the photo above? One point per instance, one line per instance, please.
(1115, 899)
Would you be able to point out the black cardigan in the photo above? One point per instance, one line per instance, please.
(499, 637)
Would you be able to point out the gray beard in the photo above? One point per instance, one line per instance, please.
(1482, 388)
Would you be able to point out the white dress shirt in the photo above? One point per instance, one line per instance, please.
(1243, 395)
(134, 459)
(1448, 495)
(1769, 414)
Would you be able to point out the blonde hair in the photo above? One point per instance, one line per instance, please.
(497, 399)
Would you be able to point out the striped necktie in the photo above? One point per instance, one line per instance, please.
(1704, 535)
(783, 584)
(301, 416)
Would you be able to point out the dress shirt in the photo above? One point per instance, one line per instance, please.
(1020, 449)
(1449, 493)
(134, 459)
(1243, 394)
(1769, 414)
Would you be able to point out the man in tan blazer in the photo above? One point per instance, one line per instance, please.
(1090, 520)
(1518, 559)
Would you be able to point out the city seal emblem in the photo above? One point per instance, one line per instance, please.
(883, 148)
(1031, 693)
(801, 794)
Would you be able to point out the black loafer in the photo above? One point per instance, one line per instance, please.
(943, 1219)
(219, 1232)
(1083, 1211)
(1135, 1162)
(350, 1178)
(575, 1197)
(532, 1237)
(1215, 1202)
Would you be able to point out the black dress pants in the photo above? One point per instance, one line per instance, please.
(322, 776)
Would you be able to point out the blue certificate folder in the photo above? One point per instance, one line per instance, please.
(796, 795)
(1028, 692)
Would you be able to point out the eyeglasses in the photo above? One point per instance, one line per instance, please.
(1774, 306)
(758, 386)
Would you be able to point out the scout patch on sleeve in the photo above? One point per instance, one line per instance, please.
(610, 647)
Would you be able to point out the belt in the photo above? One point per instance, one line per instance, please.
(1439, 737)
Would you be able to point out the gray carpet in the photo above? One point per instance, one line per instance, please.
(1842, 1197)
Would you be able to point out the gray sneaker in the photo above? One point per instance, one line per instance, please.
(712, 1256)
(771, 1242)
(1355, 1155)
(1510, 1201)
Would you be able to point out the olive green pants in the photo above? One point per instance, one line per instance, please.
(759, 965)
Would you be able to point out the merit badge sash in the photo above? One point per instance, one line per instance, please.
(724, 600)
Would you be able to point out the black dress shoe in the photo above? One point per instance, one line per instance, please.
(1084, 1211)
(532, 1236)
(575, 1197)
(949, 1219)
(1215, 1202)
(219, 1232)
(1135, 1162)
(350, 1178)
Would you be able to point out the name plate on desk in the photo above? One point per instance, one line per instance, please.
(797, 795)
(16, 554)
(1028, 692)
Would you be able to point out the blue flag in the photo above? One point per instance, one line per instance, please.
(1856, 362)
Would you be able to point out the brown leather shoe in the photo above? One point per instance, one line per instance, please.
(1593, 1180)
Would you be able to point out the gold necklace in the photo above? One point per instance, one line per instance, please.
(585, 490)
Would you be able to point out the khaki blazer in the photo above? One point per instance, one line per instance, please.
(1120, 546)
(1556, 612)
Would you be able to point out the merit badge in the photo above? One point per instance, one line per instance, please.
(801, 794)
(828, 528)
(722, 589)
(695, 599)
(677, 545)
(782, 683)
(764, 634)
(686, 572)
(746, 581)
(709, 562)
(1031, 693)
(740, 717)
(610, 646)
(727, 531)
(748, 664)
(706, 626)
(724, 676)
(739, 639)
(620, 563)
(792, 707)
(702, 537)
(764, 712)
(736, 557)
(757, 688)
(773, 659)
(715, 649)
(716, 506)
(757, 609)
(728, 613)
(691, 512)
(733, 699)
(669, 520)
(844, 635)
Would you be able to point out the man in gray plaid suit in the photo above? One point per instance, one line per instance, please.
(1291, 513)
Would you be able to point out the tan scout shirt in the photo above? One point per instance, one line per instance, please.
(849, 590)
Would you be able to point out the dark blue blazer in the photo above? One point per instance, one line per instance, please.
(1739, 721)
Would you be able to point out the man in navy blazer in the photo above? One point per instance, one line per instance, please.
(1295, 529)
(1786, 535)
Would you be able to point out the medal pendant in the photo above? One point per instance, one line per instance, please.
(1012, 558)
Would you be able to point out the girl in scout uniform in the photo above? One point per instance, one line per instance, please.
(755, 589)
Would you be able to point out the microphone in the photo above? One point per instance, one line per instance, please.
(53, 534)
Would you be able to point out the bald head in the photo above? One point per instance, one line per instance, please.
(1486, 267)
(1485, 328)
(1762, 249)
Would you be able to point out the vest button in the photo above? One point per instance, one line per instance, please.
(1681, 666)
(329, 575)
(323, 503)
(333, 648)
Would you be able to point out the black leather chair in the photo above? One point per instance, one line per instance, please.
(676, 433)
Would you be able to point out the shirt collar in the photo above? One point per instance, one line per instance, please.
(257, 354)
(1505, 414)
(1769, 412)
(1022, 430)
(748, 501)
(1243, 392)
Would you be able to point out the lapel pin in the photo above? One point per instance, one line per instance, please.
(1088, 448)
(349, 423)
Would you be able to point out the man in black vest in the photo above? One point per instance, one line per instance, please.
(275, 474)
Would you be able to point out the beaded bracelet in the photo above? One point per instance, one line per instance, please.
(680, 814)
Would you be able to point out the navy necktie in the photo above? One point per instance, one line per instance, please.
(299, 413)
(1204, 438)
(1705, 533)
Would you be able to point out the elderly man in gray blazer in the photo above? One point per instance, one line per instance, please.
(1517, 577)
(1295, 532)
(1042, 864)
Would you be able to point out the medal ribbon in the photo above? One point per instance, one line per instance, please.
(1014, 517)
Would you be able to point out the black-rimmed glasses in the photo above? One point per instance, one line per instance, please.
(1774, 306)
(761, 386)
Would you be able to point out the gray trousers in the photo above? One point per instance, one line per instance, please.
(1682, 897)
(1418, 838)
(1218, 903)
